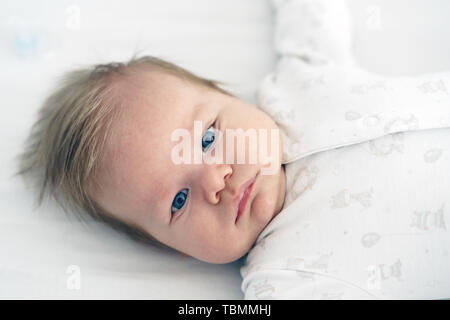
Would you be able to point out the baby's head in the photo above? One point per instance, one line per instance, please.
(109, 141)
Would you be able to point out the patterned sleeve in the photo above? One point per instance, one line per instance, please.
(298, 285)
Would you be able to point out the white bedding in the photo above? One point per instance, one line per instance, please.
(367, 166)
(40, 250)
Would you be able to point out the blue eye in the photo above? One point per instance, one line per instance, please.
(208, 138)
(179, 200)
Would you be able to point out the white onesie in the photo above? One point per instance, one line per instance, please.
(367, 167)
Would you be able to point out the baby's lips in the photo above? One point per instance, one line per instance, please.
(239, 197)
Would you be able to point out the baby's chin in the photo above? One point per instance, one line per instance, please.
(224, 259)
(218, 256)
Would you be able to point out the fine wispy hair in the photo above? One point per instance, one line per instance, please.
(66, 145)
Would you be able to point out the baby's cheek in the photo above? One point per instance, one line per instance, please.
(219, 244)
(263, 207)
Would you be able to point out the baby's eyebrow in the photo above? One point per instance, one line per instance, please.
(196, 112)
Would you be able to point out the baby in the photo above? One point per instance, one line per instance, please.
(105, 142)
(359, 167)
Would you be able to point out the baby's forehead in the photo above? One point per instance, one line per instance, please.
(142, 139)
(159, 81)
(153, 96)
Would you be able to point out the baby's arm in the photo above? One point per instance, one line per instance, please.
(318, 87)
(316, 31)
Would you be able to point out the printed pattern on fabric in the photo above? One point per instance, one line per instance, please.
(367, 157)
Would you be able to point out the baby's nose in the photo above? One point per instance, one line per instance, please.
(216, 181)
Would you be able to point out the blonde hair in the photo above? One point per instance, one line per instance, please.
(67, 143)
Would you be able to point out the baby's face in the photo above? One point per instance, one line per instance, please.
(191, 207)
